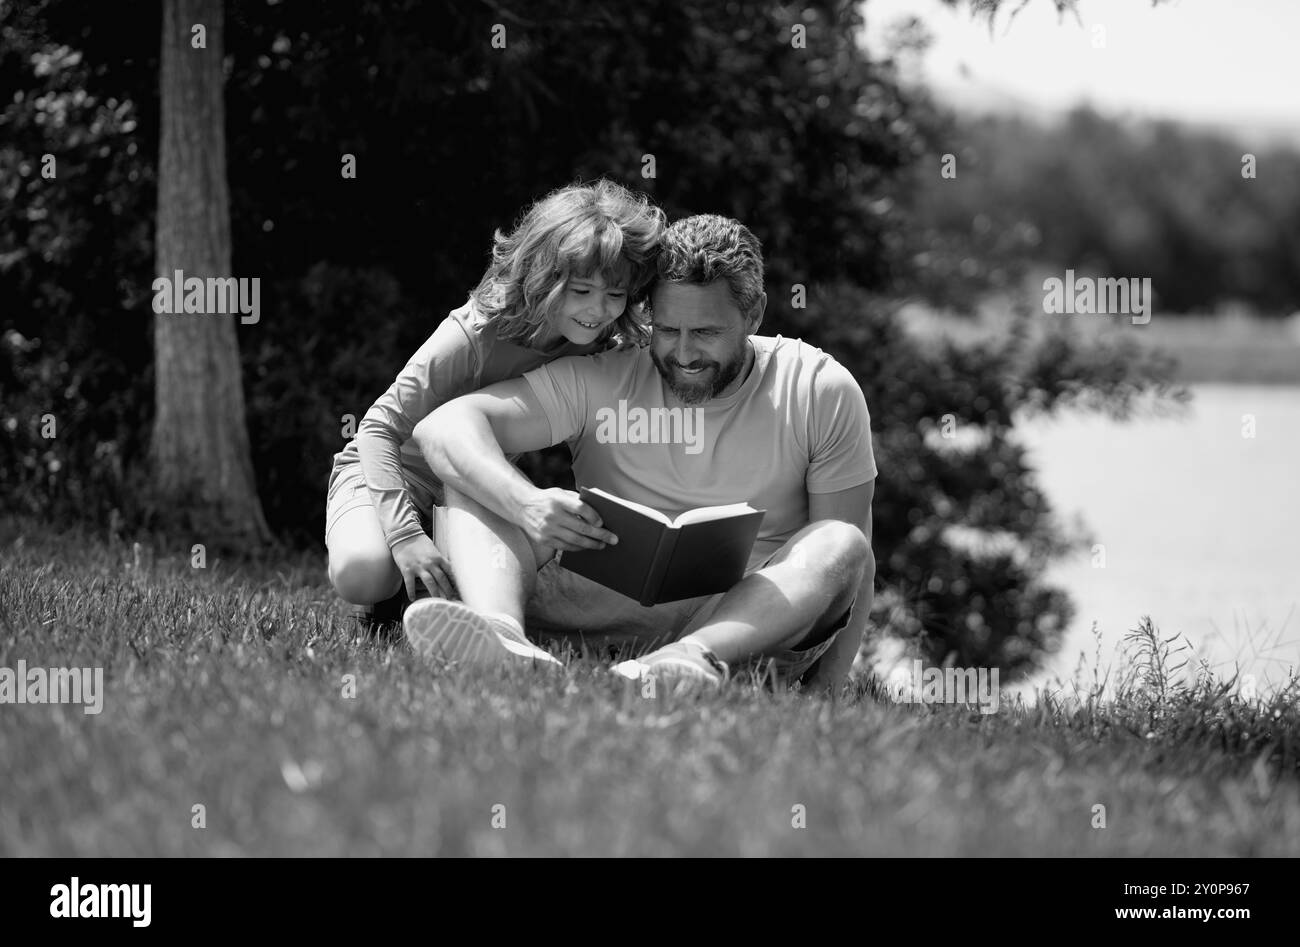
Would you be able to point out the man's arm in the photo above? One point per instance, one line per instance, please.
(851, 506)
(465, 443)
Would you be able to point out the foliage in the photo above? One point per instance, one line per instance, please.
(1115, 197)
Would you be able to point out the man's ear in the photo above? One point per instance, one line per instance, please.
(756, 314)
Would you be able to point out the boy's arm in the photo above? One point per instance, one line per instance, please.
(445, 364)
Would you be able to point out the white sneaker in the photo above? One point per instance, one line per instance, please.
(452, 631)
(683, 665)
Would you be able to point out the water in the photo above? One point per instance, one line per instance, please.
(1201, 527)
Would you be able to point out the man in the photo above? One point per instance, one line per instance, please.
(780, 425)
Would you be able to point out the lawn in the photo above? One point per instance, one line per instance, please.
(227, 688)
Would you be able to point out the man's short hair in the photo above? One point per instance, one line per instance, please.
(705, 248)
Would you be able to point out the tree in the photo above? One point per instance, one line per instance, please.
(200, 449)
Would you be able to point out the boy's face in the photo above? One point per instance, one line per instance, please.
(589, 306)
(699, 338)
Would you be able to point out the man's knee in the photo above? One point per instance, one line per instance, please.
(363, 578)
(844, 553)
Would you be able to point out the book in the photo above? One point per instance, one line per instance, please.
(656, 560)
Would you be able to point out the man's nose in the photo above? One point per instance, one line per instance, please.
(685, 351)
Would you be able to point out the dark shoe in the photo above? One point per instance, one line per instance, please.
(382, 619)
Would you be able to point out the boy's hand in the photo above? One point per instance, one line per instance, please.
(558, 518)
(418, 559)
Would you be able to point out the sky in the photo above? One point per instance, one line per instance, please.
(1230, 63)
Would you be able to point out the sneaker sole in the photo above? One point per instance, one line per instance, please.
(454, 632)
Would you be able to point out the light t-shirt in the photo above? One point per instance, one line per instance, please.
(797, 425)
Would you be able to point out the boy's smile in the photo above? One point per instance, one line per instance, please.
(589, 307)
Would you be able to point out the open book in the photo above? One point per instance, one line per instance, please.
(656, 559)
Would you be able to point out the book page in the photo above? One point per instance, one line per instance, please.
(705, 514)
(644, 510)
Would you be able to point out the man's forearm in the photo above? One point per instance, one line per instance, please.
(461, 448)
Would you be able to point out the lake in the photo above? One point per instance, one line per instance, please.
(1201, 527)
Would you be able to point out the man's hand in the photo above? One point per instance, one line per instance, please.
(560, 519)
(419, 559)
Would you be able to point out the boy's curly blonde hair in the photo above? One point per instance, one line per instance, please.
(575, 231)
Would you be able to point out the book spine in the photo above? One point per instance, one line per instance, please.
(659, 565)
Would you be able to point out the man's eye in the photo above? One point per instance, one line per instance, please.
(580, 292)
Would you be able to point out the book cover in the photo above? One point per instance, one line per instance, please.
(656, 560)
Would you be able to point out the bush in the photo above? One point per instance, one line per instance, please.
(63, 444)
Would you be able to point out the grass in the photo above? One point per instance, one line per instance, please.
(224, 688)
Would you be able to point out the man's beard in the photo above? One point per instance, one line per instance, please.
(703, 390)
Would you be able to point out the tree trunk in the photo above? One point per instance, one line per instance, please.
(202, 463)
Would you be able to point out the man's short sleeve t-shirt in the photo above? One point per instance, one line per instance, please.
(797, 425)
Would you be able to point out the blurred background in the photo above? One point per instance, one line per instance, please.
(1012, 445)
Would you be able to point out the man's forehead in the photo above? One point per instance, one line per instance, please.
(694, 303)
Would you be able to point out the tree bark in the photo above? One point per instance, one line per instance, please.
(202, 462)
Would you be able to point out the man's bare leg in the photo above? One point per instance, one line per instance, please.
(496, 570)
(805, 589)
(494, 562)
(833, 668)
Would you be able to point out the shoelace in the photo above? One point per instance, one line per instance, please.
(711, 659)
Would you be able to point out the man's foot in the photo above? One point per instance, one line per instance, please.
(682, 666)
(452, 631)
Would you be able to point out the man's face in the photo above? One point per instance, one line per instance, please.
(698, 339)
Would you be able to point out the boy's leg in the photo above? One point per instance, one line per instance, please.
(361, 566)
(796, 600)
